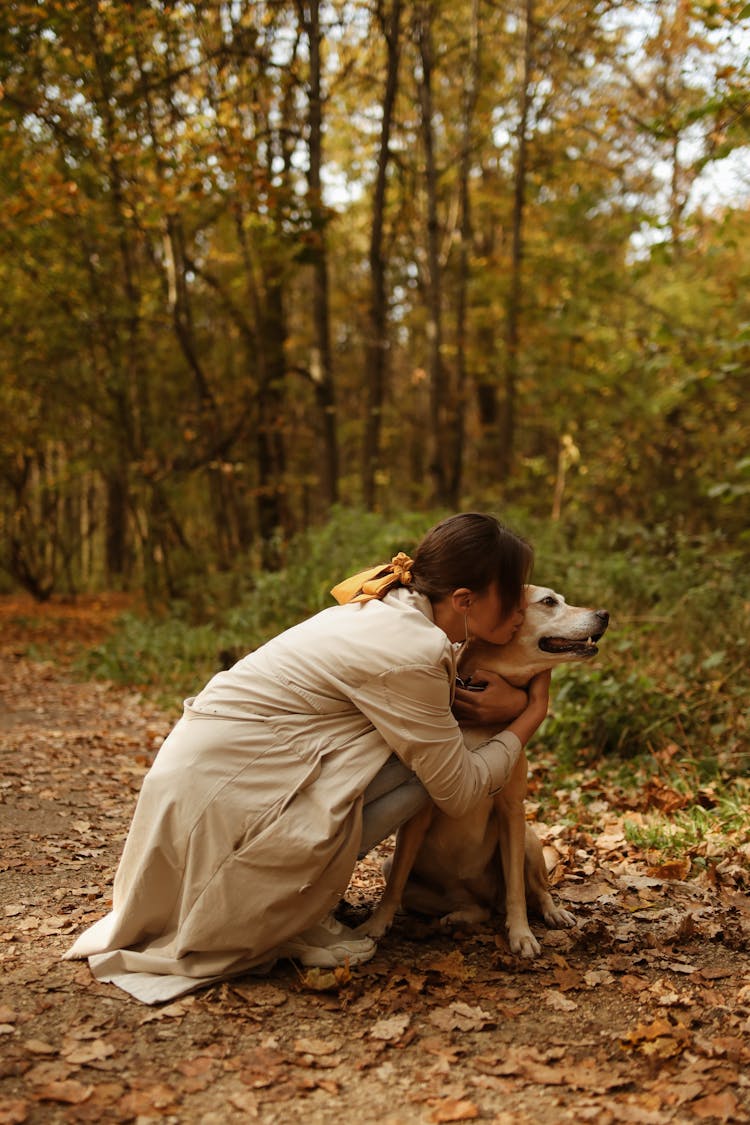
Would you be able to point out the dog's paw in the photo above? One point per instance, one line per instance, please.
(470, 916)
(524, 943)
(375, 926)
(558, 919)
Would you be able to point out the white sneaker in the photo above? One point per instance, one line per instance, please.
(327, 945)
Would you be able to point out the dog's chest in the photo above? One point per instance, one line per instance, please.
(459, 847)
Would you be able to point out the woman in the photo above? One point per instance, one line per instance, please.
(250, 821)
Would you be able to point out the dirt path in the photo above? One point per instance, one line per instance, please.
(641, 1014)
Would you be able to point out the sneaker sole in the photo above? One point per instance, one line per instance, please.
(312, 957)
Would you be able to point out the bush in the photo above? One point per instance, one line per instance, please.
(175, 655)
(672, 668)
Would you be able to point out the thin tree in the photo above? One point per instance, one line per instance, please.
(376, 361)
(321, 367)
(513, 308)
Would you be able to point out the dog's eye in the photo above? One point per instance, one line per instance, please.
(549, 600)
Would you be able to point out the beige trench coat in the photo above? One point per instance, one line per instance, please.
(247, 827)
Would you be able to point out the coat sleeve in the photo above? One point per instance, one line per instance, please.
(410, 708)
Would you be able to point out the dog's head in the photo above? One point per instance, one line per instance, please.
(552, 633)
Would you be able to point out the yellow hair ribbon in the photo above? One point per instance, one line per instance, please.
(376, 582)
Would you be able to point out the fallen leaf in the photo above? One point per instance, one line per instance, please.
(174, 1011)
(454, 1109)
(390, 1029)
(260, 994)
(558, 1002)
(13, 1111)
(39, 1047)
(90, 1052)
(70, 1092)
(244, 1101)
(658, 1039)
(460, 1016)
(723, 1106)
(676, 869)
(325, 980)
(451, 965)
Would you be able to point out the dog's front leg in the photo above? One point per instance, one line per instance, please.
(408, 842)
(511, 827)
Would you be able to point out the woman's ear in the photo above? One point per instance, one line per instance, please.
(462, 599)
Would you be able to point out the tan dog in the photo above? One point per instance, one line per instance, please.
(448, 866)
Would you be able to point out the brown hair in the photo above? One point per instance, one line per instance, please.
(472, 550)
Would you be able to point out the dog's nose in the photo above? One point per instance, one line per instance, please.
(603, 617)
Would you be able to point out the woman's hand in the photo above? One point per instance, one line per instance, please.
(495, 705)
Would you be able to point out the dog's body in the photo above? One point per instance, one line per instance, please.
(449, 867)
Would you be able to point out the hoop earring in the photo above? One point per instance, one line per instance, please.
(466, 628)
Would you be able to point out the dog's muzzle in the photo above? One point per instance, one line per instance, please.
(584, 648)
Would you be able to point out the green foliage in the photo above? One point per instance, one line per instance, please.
(234, 614)
(696, 829)
(672, 669)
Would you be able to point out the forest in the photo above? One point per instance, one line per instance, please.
(265, 259)
(282, 283)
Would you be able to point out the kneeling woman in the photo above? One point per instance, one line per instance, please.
(302, 756)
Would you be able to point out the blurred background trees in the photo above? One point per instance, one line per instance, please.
(261, 257)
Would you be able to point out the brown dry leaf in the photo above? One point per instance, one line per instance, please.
(39, 1047)
(566, 978)
(390, 1029)
(69, 1092)
(676, 869)
(558, 1002)
(90, 1052)
(174, 1011)
(454, 1109)
(665, 996)
(197, 1067)
(260, 994)
(325, 980)
(461, 1016)
(143, 1102)
(584, 892)
(245, 1102)
(658, 1039)
(7, 1015)
(13, 1111)
(723, 1105)
(447, 1051)
(451, 965)
(598, 976)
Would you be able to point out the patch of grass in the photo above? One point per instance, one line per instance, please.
(695, 830)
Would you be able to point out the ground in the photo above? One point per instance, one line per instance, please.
(639, 1014)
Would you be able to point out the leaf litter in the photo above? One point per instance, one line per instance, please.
(640, 1013)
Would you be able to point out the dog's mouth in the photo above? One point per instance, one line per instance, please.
(560, 645)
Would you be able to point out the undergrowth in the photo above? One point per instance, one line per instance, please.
(667, 696)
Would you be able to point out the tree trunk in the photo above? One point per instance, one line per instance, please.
(321, 367)
(376, 356)
(513, 315)
(438, 384)
(470, 94)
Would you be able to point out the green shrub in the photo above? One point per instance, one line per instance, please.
(673, 666)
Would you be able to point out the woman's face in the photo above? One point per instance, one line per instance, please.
(484, 617)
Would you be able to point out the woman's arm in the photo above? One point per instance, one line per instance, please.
(410, 708)
(495, 705)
